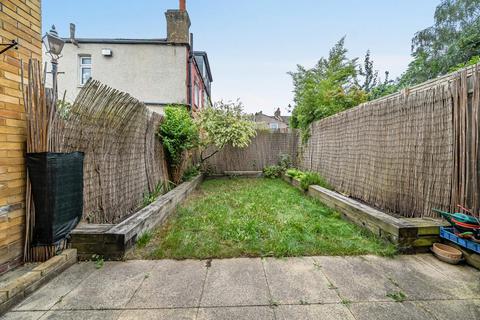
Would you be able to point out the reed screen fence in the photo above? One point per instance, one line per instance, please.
(265, 149)
(123, 158)
(407, 153)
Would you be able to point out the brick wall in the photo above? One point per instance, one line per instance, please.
(19, 20)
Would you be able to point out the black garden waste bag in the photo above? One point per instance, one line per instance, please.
(57, 189)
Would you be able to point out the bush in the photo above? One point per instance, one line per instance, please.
(190, 173)
(285, 161)
(272, 171)
(312, 178)
(178, 133)
(308, 178)
(294, 173)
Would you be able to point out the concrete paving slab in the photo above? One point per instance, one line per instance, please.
(159, 314)
(413, 277)
(313, 312)
(462, 281)
(452, 309)
(82, 315)
(355, 279)
(298, 280)
(236, 313)
(52, 292)
(111, 287)
(171, 284)
(388, 310)
(23, 315)
(235, 282)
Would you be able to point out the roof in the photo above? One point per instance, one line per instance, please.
(207, 64)
(279, 119)
(118, 41)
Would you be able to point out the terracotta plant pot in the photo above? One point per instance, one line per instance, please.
(447, 253)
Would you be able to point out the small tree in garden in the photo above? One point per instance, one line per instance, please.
(179, 134)
(224, 124)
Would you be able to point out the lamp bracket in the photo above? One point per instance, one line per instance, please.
(8, 46)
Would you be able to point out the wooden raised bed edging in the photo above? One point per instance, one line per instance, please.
(23, 284)
(112, 242)
(408, 234)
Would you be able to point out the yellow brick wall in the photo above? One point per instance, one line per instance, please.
(19, 20)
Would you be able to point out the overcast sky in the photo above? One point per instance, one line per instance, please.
(252, 44)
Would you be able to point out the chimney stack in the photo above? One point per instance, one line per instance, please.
(178, 24)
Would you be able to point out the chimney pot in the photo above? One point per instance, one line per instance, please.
(183, 5)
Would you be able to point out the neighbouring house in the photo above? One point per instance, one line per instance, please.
(276, 122)
(158, 72)
(20, 21)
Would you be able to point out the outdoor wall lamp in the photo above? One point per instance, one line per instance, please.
(54, 46)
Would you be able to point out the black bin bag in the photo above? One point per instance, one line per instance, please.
(57, 189)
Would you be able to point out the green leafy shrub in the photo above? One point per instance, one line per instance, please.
(276, 171)
(272, 171)
(308, 178)
(190, 172)
(178, 133)
(312, 178)
(294, 173)
(224, 124)
(285, 161)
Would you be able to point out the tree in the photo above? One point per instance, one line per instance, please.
(369, 74)
(329, 87)
(179, 134)
(453, 40)
(383, 88)
(224, 124)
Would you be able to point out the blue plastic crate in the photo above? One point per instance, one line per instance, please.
(448, 233)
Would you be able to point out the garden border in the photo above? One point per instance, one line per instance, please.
(409, 235)
(25, 284)
(112, 242)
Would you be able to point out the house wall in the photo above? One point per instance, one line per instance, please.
(21, 21)
(152, 73)
(264, 121)
(198, 103)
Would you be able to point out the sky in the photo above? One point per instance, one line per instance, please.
(253, 44)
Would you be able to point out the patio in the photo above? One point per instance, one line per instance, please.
(363, 287)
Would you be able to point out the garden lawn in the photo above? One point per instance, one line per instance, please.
(254, 218)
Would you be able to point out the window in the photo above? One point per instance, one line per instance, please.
(85, 71)
(274, 126)
(197, 95)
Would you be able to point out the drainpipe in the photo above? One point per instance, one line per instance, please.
(189, 73)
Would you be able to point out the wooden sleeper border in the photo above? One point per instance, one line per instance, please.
(410, 235)
(19, 288)
(113, 241)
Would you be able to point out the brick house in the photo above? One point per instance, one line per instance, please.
(19, 21)
(156, 71)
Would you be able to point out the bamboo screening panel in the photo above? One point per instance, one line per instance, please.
(264, 150)
(407, 153)
(123, 158)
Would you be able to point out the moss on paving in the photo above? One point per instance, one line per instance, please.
(254, 218)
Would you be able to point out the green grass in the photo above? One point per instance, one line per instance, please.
(255, 218)
(144, 239)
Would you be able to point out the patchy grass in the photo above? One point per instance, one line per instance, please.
(144, 239)
(397, 296)
(254, 218)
